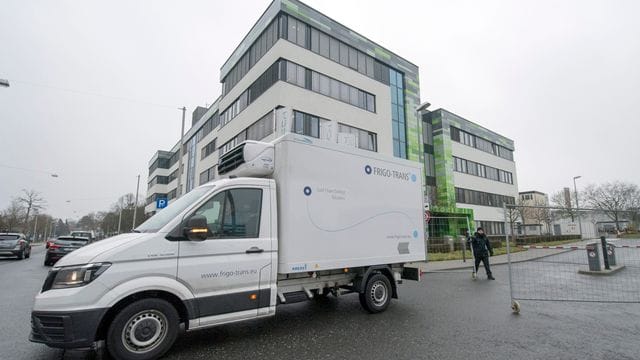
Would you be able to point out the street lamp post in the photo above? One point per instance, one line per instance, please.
(119, 220)
(575, 189)
(135, 206)
(179, 189)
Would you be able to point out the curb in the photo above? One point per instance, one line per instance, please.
(504, 262)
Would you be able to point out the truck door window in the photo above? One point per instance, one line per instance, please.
(212, 210)
(241, 218)
(233, 213)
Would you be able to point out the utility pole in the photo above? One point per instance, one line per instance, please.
(119, 220)
(181, 152)
(575, 188)
(135, 206)
(35, 228)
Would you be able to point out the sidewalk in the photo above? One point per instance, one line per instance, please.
(435, 266)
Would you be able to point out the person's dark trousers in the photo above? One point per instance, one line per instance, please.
(485, 262)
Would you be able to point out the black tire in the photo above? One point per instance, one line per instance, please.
(21, 255)
(158, 321)
(377, 294)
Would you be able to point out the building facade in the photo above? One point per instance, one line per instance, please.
(470, 171)
(339, 85)
(534, 220)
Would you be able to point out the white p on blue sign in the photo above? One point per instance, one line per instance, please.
(161, 203)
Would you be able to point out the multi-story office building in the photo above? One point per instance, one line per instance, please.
(469, 170)
(339, 86)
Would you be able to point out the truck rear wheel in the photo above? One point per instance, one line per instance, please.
(145, 329)
(377, 294)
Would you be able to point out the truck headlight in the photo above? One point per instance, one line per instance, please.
(75, 276)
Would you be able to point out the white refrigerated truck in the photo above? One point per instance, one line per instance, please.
(288, 221)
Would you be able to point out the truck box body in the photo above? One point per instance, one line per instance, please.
(342, 207)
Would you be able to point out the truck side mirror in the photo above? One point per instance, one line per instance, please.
(197, 228)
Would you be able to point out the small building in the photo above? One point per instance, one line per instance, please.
(535, 219)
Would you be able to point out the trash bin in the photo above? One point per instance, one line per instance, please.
(449, 241)
(463, 246)
(611, 254)
(593, 257)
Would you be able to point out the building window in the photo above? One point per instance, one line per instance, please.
(479, 143)
(398, 121)
(255, 90)
(466, 196)
(256, 51)
(208, 149)
(208, 175)
(256, 131)
(337, 51)
(491, 227)
(485, 171)
(306, 124)
(366, 140)
(429, 165)
(261, 128)
(322, 84)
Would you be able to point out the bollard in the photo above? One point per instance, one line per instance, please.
(611, 254)
(603, 241)
(463, 240)
(593, 258)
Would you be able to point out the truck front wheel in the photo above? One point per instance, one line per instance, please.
(377, 294)
(145, 329)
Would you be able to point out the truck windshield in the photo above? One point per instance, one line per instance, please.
(164, 216)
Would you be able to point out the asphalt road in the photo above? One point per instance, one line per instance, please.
(447, 316)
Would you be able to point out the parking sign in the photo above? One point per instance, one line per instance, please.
(161, 203)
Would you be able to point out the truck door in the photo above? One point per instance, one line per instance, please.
(224, 270)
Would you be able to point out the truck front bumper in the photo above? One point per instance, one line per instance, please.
(65, 329)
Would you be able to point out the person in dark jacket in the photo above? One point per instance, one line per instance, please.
(481, 251)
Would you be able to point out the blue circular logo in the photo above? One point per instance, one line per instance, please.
(415, 233)
(367, 169)
(414, 177)
(307, 190)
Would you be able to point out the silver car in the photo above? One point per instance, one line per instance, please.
(15, 244)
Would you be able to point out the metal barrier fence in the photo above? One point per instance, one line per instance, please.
(447, 238)
(597, 266)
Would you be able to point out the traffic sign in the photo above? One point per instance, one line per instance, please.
(427, 216)
(161, 203)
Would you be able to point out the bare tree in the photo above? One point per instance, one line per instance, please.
(566, 208)
(616, 199)
(540, 213)
(513, 214)
(13, 215)
(32, 201)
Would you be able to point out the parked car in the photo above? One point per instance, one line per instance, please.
(85, 234)
(48, 243)
(62, 246)
(15, 244)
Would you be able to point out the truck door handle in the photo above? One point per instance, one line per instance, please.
(254, 250)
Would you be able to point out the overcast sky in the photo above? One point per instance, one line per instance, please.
(560, 78)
